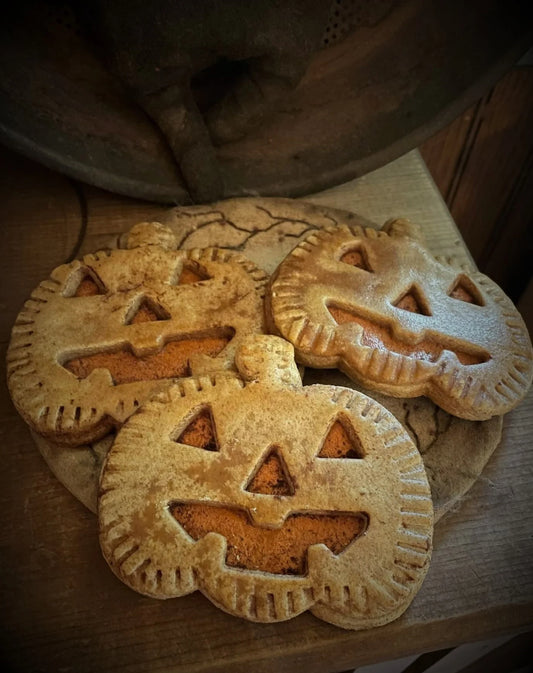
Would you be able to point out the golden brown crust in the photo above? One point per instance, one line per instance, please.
(80, 362)
(400, 322)
(379, 502)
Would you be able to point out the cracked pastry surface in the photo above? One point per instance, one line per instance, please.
(270, 497)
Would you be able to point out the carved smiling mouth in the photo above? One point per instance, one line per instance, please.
(429, 349)
(170, 361)
(273, 550)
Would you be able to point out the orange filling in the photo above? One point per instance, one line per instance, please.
(459, 292)
(170, 362)
(409, 303)
(87, 288)
(355, 258)
(272, 550)
(272, 477)
(145, 313)
(380, 337)
(200, 432)
(339, 444)
(189, 276)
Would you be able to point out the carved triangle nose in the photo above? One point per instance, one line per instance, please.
(413, 300)
(146, 310)
(271, 476)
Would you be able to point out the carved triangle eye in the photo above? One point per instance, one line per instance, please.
(146, 310)
(341, 441)
(413, 301)
(192, 273)
(272, 476)
(89, 284)
(465, 290)
(357, 257)
(201, 431)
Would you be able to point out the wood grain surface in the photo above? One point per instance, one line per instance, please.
(482, 164)
(63, 610)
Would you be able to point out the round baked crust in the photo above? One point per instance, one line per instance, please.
(371, 582)
(313, 281)
(55, 326)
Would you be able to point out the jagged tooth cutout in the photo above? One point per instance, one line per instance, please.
(171, 361)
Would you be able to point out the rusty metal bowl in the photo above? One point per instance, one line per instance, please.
(388, 76)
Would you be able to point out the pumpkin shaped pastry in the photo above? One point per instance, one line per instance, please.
(380, 307)
(269, 497)
(104, 332)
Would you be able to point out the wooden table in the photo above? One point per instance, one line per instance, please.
(61, 607)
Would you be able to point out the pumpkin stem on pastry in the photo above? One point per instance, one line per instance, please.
(269, 359)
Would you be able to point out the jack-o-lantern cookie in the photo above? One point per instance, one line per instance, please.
(270, 497)
(103, 333)
(380, 307)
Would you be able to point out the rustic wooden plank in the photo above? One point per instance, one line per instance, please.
(483, 165)
(501, 149)
(509, 251)
(446, 151)
(62, 609)
(41, 222)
